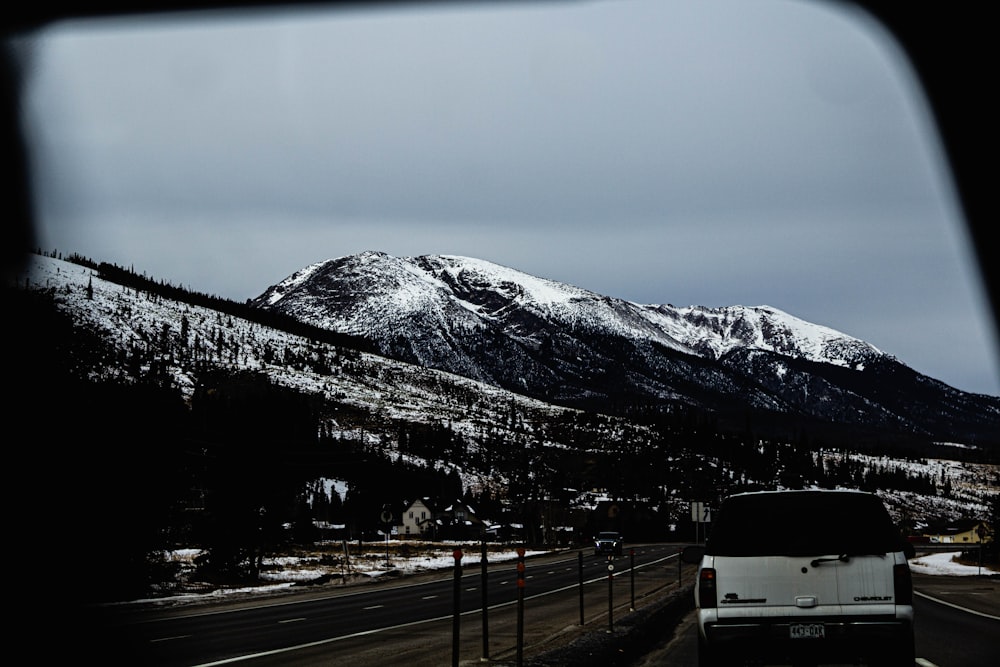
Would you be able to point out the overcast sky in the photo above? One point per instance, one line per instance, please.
(714, 153)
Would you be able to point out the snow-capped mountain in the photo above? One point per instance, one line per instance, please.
(145, 332)
(574, 347)
(128, 332)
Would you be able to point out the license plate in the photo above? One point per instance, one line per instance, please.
(807, 631)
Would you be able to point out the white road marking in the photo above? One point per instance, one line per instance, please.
(324, 642)
(955, 606)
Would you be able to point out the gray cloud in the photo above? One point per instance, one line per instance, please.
(694, 153)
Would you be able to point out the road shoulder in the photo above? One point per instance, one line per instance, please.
(977, 593)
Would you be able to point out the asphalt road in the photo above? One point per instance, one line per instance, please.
(957, 625)
(410, 621)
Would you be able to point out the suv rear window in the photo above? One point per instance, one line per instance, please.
(802, 523)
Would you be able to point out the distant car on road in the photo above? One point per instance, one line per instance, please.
(609, 542)
(804, 576)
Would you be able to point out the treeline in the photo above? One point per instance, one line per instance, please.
(116, 474)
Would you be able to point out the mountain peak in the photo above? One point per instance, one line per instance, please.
(560, 345)
(769, 328)
(382, 297)
(569, 346)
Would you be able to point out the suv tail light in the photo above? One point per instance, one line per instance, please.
(902, 583)
(706, 587)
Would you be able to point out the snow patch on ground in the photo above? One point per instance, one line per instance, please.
(945, 564)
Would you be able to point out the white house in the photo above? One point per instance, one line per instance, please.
(418, 520)
(428, 519)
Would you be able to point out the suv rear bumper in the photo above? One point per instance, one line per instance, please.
(844, 637)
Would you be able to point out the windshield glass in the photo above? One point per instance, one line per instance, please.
(656, 151)
(802, 524)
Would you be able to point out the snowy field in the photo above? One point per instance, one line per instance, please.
(944, 564)
(377, 560)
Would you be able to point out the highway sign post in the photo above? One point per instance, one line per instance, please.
(387, 526)
(700, 513)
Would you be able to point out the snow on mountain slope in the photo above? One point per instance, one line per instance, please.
(178, 334)
(767, 328)
(574, 347)
(559, 344)
(397, 292)
(186, 339)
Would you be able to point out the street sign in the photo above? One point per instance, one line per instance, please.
(700, 512)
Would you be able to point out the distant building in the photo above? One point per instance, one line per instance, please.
(425, 518)
(961, 532)
(418, 520)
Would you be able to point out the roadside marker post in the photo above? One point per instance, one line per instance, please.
(611, 593)
(456, 607)
(484, 578)
(631, 574)
(520, 606)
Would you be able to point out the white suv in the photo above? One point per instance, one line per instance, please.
(803, 576)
